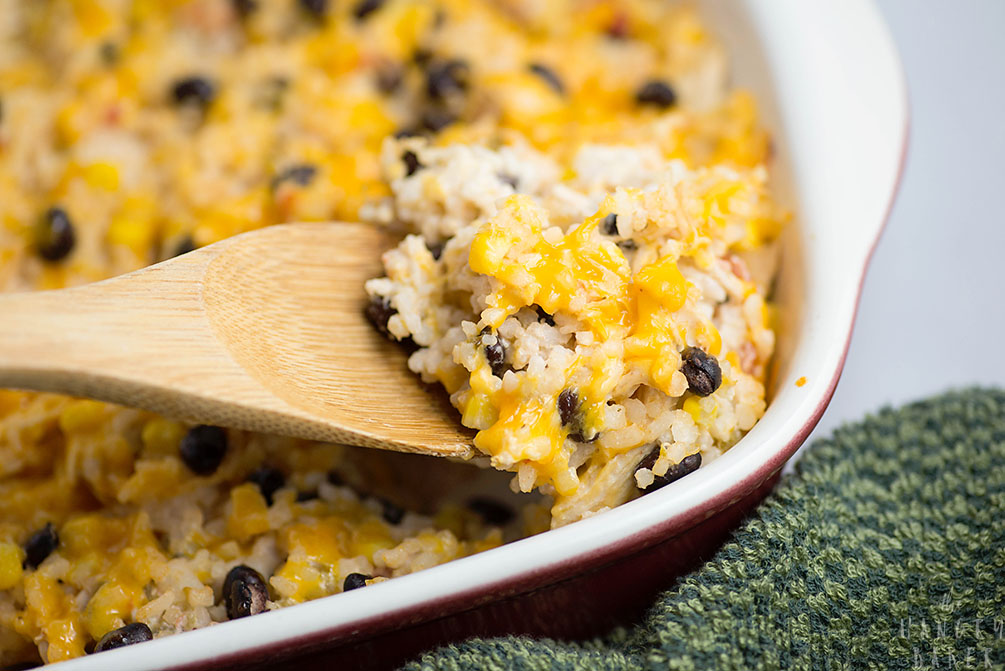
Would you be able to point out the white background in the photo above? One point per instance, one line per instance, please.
(932, 311)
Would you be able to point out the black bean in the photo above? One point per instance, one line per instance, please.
(422, 56)
(687, 465)
(185, 245)
(378, 311)
(245, 8)
(402, 133)
(195, 90)
(496, 355)
(568, 406)
(272, 92)
(303, 497)
(509, 179)
(701, 370)
(436, 249)
(569, 412)
(628, 245)
(490, 510)
(389, 78)
(391, 512)
(301, 174)
(269, 481)
(55, 236)
(203, 448)
(549, 76)
(366, 7)
(446, 78)
(137, 632)
(244, 592)
(650, 459)
(411, 162)
(316, 8)
(436, 119)
(109, 53)
(580, 438)
(336, 479)
(656, 92)
(40, 545)
(609, 224)
(543, 316)
(355, 581)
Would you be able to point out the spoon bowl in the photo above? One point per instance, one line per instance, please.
(264, 331)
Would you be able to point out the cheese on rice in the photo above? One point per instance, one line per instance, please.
(134, 130)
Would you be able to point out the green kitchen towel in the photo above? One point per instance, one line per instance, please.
(885, 549)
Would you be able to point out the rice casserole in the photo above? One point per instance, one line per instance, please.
(586, 264)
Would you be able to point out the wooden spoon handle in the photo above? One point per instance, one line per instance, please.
(263, 331)
(118, 341)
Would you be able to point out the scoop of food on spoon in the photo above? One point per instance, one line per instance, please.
(264, 331)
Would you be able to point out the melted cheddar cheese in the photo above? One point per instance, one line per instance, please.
(649, 312)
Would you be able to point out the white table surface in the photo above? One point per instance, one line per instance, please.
(932, 311)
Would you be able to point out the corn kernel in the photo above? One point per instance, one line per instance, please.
(709, 338)
(53, 277)
(451, 517)
(693, 408)
(70, 123)
(161, 437)
(492, 540)
(102, 176)
(107, 609)
(92, 18)
(9, 401)
(11, 556)
(136, 234)
(81, 415)
(408, 22)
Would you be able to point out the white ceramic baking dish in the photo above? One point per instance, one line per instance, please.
(831, 89)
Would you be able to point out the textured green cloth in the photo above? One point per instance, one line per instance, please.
(884, 550)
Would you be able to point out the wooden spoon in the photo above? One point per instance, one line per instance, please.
(263, 331)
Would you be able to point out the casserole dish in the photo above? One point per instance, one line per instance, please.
(833, 95)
